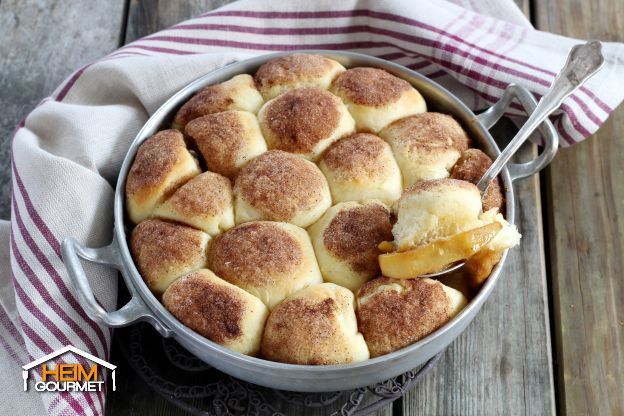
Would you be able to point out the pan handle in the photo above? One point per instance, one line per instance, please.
(551, 139)
(134, 311)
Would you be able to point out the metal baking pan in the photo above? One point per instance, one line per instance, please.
(144, 306)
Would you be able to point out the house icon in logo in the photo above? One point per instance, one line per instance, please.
(69, 348)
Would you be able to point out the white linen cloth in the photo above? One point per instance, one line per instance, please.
(68, 150)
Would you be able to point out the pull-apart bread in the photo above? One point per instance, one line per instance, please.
(205, 202)
(227, 141)
(295, 71)
(292, 213)
(218, 310)
(315, 326)
(393, 314)
(238, 93)
(164, 251)
(426, 146)
(346, 241)
(268, 259)
(279, 186)
(161, 165)
(376, 98)
(361, 167)
(305, 121)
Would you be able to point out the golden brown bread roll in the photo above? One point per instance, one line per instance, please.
(164, 251)
(426, 146)
(205, 202)
(435, 209)
(279, 186)
(227, 140)
(393, 314)
(315, 326)
(361, 167)
(295, 71)
(376, 98)
(471, 166)
(304, 121)
(345, 241)
(238, 93)
(218, 310)
(270, 260)
(162, 164)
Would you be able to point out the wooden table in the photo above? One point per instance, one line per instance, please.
(550, 338)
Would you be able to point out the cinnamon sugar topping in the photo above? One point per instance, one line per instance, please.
(254, 253)
(154, 160)
(210, 99)
(355, 233)
(394, 317)
(220, 140)
(430, 132)
(280, 184)
(370, 86)
(205, 194)
(291, 68)
(301, 118)
(214, 311)
(360, 154)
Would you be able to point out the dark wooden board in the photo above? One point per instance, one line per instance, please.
(148, 16)
(42, 43)
(585, 192)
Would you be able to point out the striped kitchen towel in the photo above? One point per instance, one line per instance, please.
(67, 151)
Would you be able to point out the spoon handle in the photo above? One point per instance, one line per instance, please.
(583, 62)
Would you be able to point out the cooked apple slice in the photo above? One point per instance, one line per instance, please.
(436, 256)
(386, 246)
(479, 266)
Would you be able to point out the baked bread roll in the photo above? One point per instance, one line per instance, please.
(426, 146)
(164, 251)
(435, 209)
(361, 167)
(295, 71)
(507, 237)
(270, 260)
(315, 326)
(345, 241)
(471, 166)
(227, 140)
(205, 202)
(162, 164)
(238, 93)
(376, 98)
(393, 314)
(280, 186)
(218, 310)
(304, 121)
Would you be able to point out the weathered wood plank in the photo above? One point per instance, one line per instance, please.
(149, 16)
(42, 43)
(585, 193)
(502, 364)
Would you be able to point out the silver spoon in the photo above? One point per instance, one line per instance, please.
(583, 62)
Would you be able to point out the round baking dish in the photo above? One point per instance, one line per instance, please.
(144, 306)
